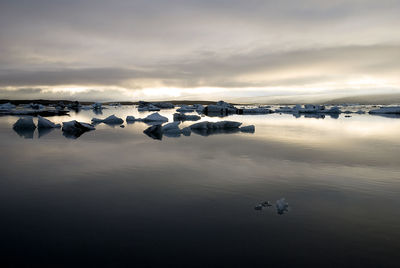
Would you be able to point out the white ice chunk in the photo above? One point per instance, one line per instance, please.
(282, 206)
(130, 118)
(24, 123)
(7, 106)
(386, 110)
(111, 120)
(45, 123)
(155, 117)
(248, 129)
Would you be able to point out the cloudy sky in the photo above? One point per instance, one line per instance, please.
(249, 50)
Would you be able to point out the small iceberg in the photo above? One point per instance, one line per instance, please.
(248, 129)
(262, 205)
(111, 120)
(74, 129)
(163, 105)
(130, 119)
(216, 125)
(281, 206)
(97, 106)
(185, 109)
(25, 127)
(255, 111)
(147, 106)
(155, 117)
(186, 131)
(171, 129)
(386, 110)
(25, 123)
(220, 108)
(184, 117)
(45, 123)
(7, 106)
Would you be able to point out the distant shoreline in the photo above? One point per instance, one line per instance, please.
(48, 102)
(191, 102)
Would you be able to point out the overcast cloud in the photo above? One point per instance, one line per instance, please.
(123, 49)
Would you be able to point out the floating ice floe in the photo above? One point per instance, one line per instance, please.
(171, 127)
(111, 120)
(309, 108)
(185, 109)
(220, 108)
(186, 131)
(155, 117)
(130, 119)
(255, 111)
(210, 128)
(7, 106)
(74, 129)
(97, 106)
(45, 123)
(248, 129)
(25, 122)
(184, 117)
(262, 205)
(386, 110)
(281, 206)
(163, 105)
(147, 106)
(25, 127)
(216, 125)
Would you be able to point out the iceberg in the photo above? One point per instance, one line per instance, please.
(164, 105)
(97, 106)
(45, 123)
(220, 108)
(130, 119)
(25, 123)
(248, 129)
(155, 117)
(186, 131)
(216, 125)
(282, 206)
(171, 129)
(147, 106)
(255, 111)
(74, 129)
(386, 110)
(7, 106)
(184, 117)
(111, 120)
(185, 109)
(25, 127)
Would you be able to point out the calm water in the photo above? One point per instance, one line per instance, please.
(115, 197)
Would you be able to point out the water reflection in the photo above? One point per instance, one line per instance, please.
(316, 115)
(154, 132)
(44, 131)
(100, 188)
(209, 132)
(24, 133)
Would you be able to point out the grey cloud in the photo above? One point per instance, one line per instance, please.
(213, 71)
(196, 43)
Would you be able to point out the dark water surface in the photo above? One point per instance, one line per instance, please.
(115, 197)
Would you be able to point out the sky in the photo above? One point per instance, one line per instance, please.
(243, 51)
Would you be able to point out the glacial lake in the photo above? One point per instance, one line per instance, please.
(115, 197)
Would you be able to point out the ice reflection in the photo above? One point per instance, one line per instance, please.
(25, 133)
